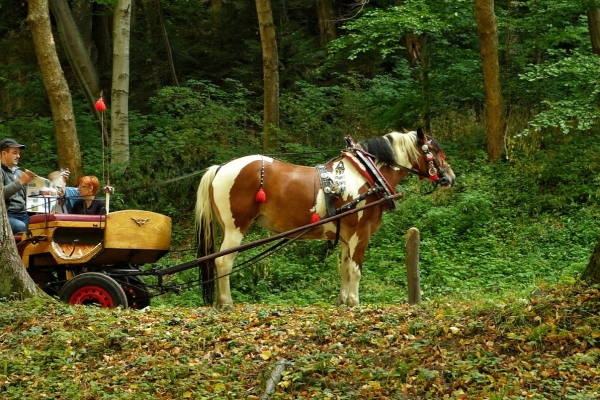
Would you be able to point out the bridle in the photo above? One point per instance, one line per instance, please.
(434, 173)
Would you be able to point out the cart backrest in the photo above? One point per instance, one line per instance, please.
(39, 218)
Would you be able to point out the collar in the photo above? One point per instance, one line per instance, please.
(11, 170)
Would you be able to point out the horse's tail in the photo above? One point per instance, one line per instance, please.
(205, 238)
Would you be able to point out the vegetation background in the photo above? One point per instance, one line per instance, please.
(514, 226)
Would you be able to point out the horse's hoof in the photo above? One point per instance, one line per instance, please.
(352, 303)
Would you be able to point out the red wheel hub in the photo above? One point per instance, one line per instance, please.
(92, 295)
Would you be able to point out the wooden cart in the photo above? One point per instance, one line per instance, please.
(95, 258)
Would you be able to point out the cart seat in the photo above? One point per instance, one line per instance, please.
(18, 237)
(41, 218)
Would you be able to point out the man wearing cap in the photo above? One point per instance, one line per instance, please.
(15, 185)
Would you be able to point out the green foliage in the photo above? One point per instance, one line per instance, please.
(571, 94)
(37, 133)
(189, 129)
(380, 31)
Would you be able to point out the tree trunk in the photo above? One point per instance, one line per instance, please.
(593, 15)
(488, 47)
(270, 72)
(15, 282)
(327, 30)
(215, 5)
(78, 57)
(592, 271)
(424, 59)
(82, 12)
(61, 105)
(151, 39)
(102, 40)
(120, 84)
(416, 54)
(167, 44)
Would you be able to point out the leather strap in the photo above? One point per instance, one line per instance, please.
(326, 184)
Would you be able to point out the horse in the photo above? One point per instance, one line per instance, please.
(281, 197)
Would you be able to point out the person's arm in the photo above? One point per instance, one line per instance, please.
(16, 185)
(71, 196)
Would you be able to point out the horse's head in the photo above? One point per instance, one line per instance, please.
(414, 152)
(433, 163)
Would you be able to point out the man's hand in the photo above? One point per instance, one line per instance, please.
(26, 177)
(65, 174)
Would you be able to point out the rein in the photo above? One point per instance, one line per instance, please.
(300, 231)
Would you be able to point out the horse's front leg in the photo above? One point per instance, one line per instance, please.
(351, 270)
(224, 265)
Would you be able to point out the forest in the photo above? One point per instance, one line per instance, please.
(502, 253)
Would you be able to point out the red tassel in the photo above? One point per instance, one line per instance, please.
(261, 196)
(315, 218)
(433, 177)
(100, 106)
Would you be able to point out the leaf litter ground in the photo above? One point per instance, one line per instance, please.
(541, 347)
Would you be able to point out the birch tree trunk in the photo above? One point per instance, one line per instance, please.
(61, 105)
(119, 122)
(270, 72)
(494, 107)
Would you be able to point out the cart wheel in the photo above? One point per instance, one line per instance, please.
(135, 289)
(93, 288)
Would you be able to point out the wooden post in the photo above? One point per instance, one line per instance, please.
(412, 266)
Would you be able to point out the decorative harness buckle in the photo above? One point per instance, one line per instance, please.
(333, 185)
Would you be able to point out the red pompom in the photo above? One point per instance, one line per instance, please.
(100, 106)
(261, 196)
(429, 157)
(315, 218)
(433, 177)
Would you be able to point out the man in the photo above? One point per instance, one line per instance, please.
(15, 185)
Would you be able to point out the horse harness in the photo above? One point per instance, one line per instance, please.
(333, 183)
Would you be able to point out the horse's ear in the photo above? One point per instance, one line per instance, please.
(421, 136)
(404, 130)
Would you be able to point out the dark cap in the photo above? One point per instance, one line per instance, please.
(4, 143)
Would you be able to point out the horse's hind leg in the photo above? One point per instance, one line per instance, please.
(352, 259)
(224, 265)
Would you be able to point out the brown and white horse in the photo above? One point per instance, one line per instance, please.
(281, 197)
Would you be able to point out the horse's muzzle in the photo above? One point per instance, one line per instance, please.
(445, 181)
(447, 178)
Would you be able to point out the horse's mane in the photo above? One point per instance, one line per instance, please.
(391, 147)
